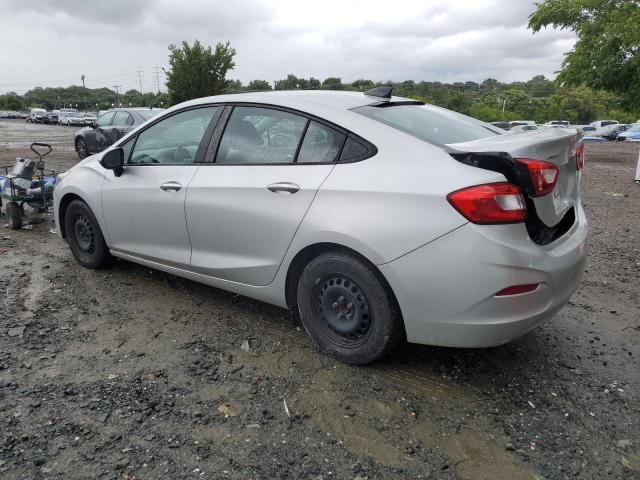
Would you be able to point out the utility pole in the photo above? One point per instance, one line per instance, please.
(140, 74)
(156, 71)
(84, 88)
(118, 87)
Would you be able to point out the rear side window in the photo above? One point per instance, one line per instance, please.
(103, 121)
(122, 119)
(256, 135)
(321, 144)
(432, 124)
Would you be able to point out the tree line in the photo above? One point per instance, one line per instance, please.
(538, 99)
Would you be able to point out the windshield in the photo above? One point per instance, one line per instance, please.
(147, 114)
(75, 115)
(432, 124)
(634, 128)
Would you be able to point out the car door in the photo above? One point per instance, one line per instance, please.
(96, 138)
(244, 207)
(143, 208)
(120, 126)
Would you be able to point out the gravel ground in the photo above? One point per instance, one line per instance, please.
(131, 373)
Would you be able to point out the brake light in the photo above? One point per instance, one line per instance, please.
(580, 156)
(544, 175)
(518, 289)
(490, 204)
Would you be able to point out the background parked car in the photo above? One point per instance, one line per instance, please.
(632, 133)
(51, 118)
(603, 123)
(37, 115)
(109, 128)
(523, 128)
(90, 118)
(610, 132)
(71, 118)
(504, 125)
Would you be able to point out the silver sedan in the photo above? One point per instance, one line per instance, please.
(377, 218)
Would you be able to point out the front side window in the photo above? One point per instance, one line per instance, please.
(173, 140)
(256, 135)
(103, 121)
(321, 144)
(432, 124)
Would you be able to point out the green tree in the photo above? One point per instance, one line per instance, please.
(607, 53)
(196, 71)
(332, 83)
(13, 103)
(289, 83)
(258, 85)
(362, 85)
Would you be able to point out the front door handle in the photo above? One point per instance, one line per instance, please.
(173, 186)
(283, 187)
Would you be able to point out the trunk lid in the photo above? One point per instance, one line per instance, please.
(554, 145)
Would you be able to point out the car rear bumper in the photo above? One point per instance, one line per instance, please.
(446, 289)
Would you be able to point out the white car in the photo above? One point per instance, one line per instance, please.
(377, 218)
(71, 118)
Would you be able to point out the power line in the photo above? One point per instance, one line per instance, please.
(118, 87)
(156, 70)
(140, 74)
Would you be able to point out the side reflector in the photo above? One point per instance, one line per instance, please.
(518, 289)
(490, 204)
(580, 156)
(544, 175)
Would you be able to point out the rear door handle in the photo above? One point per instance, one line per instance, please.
(173, 186)
(283, 187)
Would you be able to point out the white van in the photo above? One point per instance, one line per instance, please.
(603, 123)
(37, 115)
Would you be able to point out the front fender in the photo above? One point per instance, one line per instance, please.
(83, 181)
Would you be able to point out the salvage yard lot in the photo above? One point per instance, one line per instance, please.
(133, 373)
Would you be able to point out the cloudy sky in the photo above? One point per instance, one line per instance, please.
(52, 43)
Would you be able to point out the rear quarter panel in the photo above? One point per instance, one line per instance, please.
(392, 203)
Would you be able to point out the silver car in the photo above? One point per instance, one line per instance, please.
(377, 218)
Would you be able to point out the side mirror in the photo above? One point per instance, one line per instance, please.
(114, 160)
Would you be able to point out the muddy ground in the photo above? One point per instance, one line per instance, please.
(131, 373)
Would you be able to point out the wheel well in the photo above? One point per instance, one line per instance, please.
(62, 210)
(304, 256)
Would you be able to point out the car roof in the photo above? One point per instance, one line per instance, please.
(329, 104)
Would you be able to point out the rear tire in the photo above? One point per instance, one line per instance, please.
(347, 308)
(14, 216)
(84, 236)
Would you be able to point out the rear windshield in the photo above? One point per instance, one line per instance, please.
(432, 124)
(147, 114)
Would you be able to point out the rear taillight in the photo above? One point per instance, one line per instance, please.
(580, 156)
(544, 175)
(491, 203)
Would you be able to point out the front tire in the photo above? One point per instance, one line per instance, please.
(81, 148)
(347, 308)
(84, 236)
(14, 216)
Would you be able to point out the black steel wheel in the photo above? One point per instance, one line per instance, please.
(344, 309)
(84, 236)
(348, 309)
(81, 148)
(14, 216)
